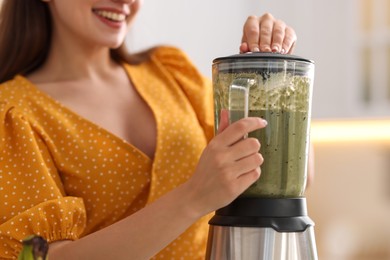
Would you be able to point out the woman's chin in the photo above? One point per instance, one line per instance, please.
(114, 44)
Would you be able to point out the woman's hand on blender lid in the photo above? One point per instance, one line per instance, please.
(267, 34)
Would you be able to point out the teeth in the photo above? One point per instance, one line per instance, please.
(112, 16)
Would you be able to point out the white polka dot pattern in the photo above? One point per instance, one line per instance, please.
(64, 177)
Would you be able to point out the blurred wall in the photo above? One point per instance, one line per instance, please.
(209, 29)
(330, 32)
(350, 200)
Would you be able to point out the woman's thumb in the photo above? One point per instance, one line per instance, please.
(224, 120)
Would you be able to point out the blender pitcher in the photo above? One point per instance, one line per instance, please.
(272, 211)
(277, 88)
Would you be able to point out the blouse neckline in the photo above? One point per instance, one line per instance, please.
(125, 144)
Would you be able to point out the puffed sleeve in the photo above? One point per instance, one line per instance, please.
(196, 87)
(32, 197)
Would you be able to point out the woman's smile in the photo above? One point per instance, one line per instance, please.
(112, 18)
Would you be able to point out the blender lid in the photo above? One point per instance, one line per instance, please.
(261, 55)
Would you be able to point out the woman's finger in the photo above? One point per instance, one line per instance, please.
(244, 47)
(239, 129)
(266, 32)
(251, 34)
(247, 179)
(289, 41)
(244, 148)
(278, 36)
(247, 164)
(224, 120)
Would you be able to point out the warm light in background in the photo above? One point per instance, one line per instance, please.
(351, 130)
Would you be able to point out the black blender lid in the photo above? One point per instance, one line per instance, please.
(261, 55)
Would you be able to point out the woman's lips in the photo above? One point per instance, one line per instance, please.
(111, 18)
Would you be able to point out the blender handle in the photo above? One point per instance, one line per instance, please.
(239, 98)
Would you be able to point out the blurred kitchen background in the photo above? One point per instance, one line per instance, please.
(349, 40)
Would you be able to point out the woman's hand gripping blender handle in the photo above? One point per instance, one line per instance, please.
(228, 165)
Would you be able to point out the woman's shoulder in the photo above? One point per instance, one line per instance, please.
(16, 96)
(173, 56)
(164, 54)
(10, 90)
(6, 85)
(168, 51)
(16, 83)
(15, 89)
(177, 63)
(171, 61)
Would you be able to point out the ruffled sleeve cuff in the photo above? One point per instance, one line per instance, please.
(60, 219)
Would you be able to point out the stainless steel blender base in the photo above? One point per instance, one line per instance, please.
(254, 243)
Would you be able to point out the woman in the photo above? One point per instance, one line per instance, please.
(109, 155)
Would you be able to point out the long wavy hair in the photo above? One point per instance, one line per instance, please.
(25, 38)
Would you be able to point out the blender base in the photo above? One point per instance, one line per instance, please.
(262, 229)
(253, 243)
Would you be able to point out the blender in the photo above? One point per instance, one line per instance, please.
(269, 220)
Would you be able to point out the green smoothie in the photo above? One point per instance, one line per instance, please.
(284, 101)
(284, 148)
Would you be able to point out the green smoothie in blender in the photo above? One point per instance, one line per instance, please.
(281, 99)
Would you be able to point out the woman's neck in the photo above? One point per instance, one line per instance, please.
(74, 62)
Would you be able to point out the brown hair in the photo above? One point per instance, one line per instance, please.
(25, 38)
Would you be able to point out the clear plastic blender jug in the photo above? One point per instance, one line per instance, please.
(277, 88)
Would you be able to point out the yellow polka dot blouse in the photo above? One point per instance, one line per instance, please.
(63, 177)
